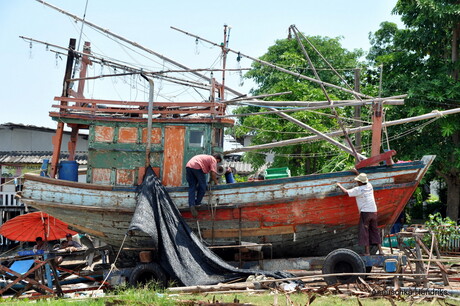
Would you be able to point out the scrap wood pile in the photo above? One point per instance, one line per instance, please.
(424, 259)
(427, 276)
(373, 287)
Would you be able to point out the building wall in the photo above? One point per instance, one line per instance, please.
(26, 138)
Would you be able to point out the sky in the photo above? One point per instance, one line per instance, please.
(32, 75)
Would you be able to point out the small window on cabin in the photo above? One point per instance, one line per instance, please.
(196, 139)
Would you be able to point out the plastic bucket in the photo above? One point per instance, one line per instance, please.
(68, 170)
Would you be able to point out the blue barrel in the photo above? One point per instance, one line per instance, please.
(68, 170)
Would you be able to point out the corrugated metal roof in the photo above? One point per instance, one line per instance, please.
(240, 167)
(10, 125)
(33, 157)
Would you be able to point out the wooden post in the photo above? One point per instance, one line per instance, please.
(56, 140)
(72, 145)
(442, 268)
(85, 61)
(376, 128)
(418, 264)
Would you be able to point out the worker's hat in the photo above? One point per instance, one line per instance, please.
(362, 177)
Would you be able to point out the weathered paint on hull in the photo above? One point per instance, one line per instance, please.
(299, 216)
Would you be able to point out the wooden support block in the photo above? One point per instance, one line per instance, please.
(377, 159)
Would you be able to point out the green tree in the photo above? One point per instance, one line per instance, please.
(286, 53)
(422, 60)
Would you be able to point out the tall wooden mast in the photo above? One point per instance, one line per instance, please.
(57, 138)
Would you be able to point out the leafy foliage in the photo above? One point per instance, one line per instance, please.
(421, 60)
(444, 229)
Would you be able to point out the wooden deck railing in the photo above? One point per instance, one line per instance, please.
(135, 109)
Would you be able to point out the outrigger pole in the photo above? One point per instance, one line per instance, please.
(289, 110)
(282, 143)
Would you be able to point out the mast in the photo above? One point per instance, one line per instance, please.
(85, 61)
(224, 60)
(377, 109)
(57, 138)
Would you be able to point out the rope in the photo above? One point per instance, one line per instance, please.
(438, 113)
(112, 266)
(21, 176)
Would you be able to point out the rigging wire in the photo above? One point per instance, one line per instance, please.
(124, 47)
(79, 38)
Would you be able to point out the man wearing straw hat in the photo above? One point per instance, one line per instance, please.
(368, 231)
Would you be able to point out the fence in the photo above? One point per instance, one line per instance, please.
(8, 199)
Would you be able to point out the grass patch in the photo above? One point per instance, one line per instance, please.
(152, 294)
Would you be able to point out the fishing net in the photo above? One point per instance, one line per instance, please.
(181, 253)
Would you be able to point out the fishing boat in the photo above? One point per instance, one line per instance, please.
(295, 216)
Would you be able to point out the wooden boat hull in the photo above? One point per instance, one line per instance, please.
(298, 216)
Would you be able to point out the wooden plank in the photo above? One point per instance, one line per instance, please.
(156, 135)
(247, 232)
(173, 157)
(51, 181)
(127, 134)
(181, 120)
(104, 133)
(90, 231)
(125, 177)
(121, 110)
(57, 142)
(101, 176)
(137, 103)
(376, 159)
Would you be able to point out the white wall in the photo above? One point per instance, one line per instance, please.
(25, 139)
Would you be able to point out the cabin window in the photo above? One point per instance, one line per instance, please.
(196, 139)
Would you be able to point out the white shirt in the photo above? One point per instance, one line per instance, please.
(364, 197)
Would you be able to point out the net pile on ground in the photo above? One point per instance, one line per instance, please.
(181, 254)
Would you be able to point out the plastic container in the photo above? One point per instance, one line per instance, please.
(391, 265)
(44, 168)
(272, 173)
(68, 170)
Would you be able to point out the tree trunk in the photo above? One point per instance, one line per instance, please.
(455, 37)
(453, 183)
(453, 196)
(308, 165)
